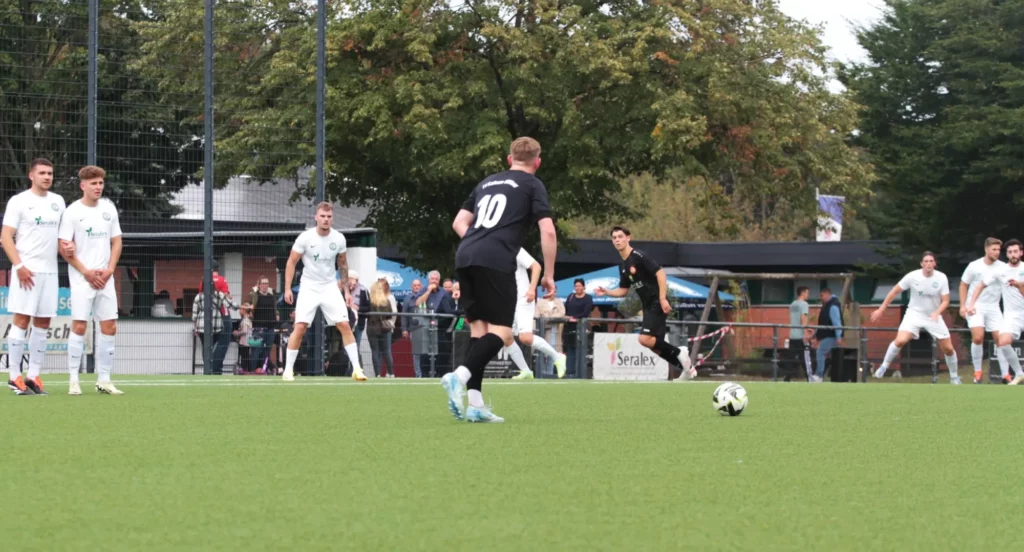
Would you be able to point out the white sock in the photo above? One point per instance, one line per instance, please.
(977, 354)
(289, 362)
(476, 398)
(76, 346)
(544, 348)
(1011, 358)
(36, 351)
(463, 374)
(104, 357)
(951, 363)
(353, 356)
(1004, 368)
(890, 355)
(15, 351)
(516, 354)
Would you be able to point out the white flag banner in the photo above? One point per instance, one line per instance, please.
(830, 220)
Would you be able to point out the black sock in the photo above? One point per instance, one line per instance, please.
(667, 351)
(480, 353)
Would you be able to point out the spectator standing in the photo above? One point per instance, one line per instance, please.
(799, 335)
(379, 328)
(547, 309)
(221, 331)
(828, 337)
(435, 300)
(243, 334)
(415, 329)
(577, 307)
(264, 321)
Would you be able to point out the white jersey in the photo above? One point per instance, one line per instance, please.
(91, 228)
(925, 293)
(523, 263)
(36, 220)
(976, 273)
(319, 255)
(1013, 301)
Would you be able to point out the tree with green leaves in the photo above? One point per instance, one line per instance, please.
(149, 153)
(424, 97)
(943, 121)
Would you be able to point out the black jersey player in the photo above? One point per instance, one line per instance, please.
(642, 273)
(492, 224)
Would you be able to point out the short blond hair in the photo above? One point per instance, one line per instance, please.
(90, 172)
(524, 150)
(993, 241)
(324, 206)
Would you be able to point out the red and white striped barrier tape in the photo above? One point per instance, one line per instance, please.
(715, 333)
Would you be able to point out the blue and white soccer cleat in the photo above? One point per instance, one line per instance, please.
(482, 415)
(456, 394)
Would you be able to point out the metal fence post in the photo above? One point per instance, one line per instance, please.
(865, 363)
(94, 39)
(319, 328)
(432, 345)
(208, 191)
(935, 361)
(582, 345)
(775, 353)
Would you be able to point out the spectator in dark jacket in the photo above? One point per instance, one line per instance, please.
(577, 307)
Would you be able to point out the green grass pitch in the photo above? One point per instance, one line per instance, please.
(254, 464)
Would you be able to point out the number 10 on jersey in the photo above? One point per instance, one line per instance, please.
(489, 210)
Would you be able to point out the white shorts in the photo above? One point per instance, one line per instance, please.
(326, 297)
(90, 303)
(988, 316)
(914, 322)
(1013, 323)
(40, 301)
(525, 312)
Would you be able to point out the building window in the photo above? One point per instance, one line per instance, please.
(776, 291)
(882, 289)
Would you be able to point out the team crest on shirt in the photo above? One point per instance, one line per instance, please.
(54, 207)
(935, 285)
(106, 216)
(333, 246)
(632, 270)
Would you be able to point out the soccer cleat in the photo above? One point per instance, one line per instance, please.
(74, 388)
(1018, 380)
(560, 365)
(453, 387)
(358, 375)
(896, 374)
(482, 415)
(955, 380)
(107, 388)
(288, 375)
(977, 376)
(36, 385)
(689, 373)
(684, 357)
(1007, 379)
(816, 379)
(18, 386)
(880, 373)
(523, 375)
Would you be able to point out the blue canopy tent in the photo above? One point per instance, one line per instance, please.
(399, 277)
(682, 292)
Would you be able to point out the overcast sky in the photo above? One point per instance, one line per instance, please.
(837, 17)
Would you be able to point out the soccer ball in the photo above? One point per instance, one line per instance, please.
(730, 399)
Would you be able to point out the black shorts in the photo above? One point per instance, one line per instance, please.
(655, 321)
(488, 295)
